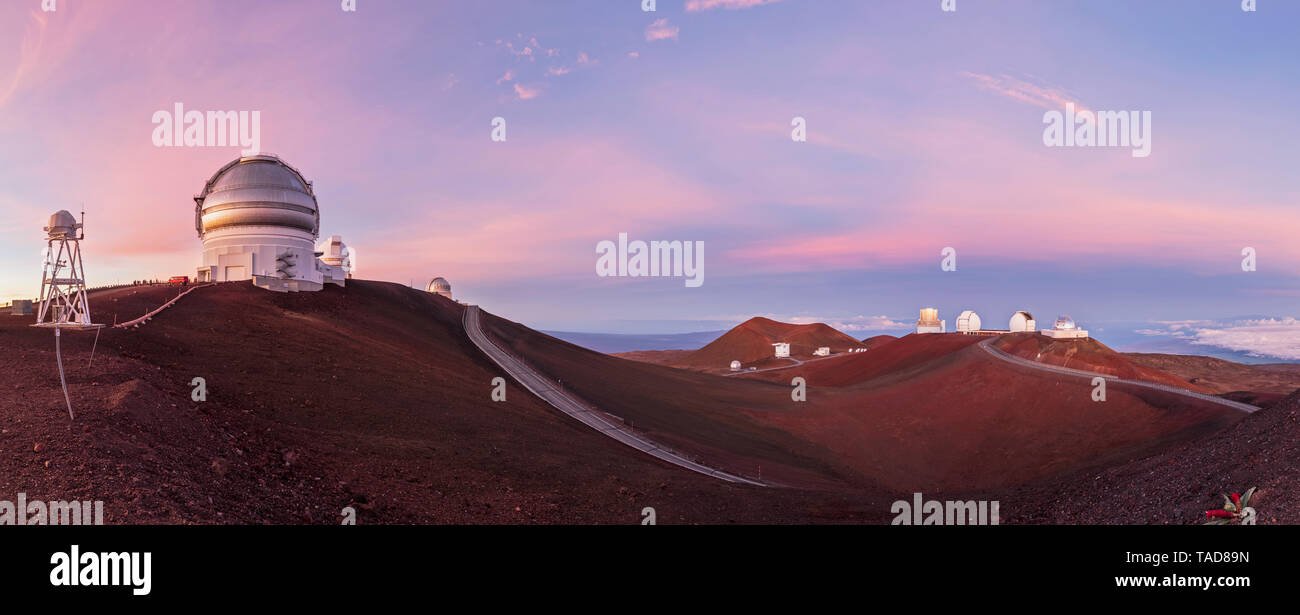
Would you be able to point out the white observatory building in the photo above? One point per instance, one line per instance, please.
(1065, 329)
(929, 322)
(259, 220)
(782, 350)
(735, 366)
(439, 286)
(968, 322)
(1022, 321)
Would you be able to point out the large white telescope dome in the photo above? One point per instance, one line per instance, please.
(259, 221)
(257, 191)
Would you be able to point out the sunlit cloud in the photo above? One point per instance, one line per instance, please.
(527, 92)
(660, 29)
(693, 6)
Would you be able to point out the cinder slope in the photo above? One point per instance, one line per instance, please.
(368, 396)
(751, 341)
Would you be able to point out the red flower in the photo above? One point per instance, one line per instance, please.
(1236, 499)
(1219, 514)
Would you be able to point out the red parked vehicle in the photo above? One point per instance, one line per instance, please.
(179, 279)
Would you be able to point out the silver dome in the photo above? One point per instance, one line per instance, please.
(438, 285)
(1065, 322)
(257, 190)
(62, 224)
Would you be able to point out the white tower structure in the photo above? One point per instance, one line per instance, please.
(968, 322)
(782, 350)
(439, 286)
(258, 219)
(63, 279)
(929, 322)
(1022, 321)
(63, 287)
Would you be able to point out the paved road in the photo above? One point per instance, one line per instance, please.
(545, 389)
(988, 347)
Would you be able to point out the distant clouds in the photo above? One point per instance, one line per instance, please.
(660, 30)
(1266, 337)
(693, 6)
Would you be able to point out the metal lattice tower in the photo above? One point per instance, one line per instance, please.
(63, 286)
(63, 279)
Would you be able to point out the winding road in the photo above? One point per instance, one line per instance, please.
(987, 345)
(544, 389)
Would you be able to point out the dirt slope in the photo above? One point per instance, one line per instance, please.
(939, 414)
(1276, 380)
(1086, 354)
(751, 341)
(1177, 486)
(367, 396)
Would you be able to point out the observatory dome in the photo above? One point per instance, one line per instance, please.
(1065, 323)
(968, 320)
(259, 220)
(1022, 321)
(439, 286)
(257, 191)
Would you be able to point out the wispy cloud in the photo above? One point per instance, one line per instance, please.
(693, 6)
(527, 92)
(1048, 97)
(660, 30)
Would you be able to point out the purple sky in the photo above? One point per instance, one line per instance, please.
(924, 131)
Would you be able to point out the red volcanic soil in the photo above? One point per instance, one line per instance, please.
(876, 340)
(939, 415)
(685, 410)
(371, 396)
(1177, 486)
(898, 355)
(1086, 354)
(752, 340)
(1270, 381)
(368, 396)
(969, 420)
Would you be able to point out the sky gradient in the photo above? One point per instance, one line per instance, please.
(924, 131)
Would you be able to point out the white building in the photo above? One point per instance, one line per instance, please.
(1022, 321)
(258, 219)
(824, 351)
(929, 322)
(1065, 329)
(735, 366)
(968, 322)
(439, 286)
(782, 350)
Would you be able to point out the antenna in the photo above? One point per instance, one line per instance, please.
(63, 286)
